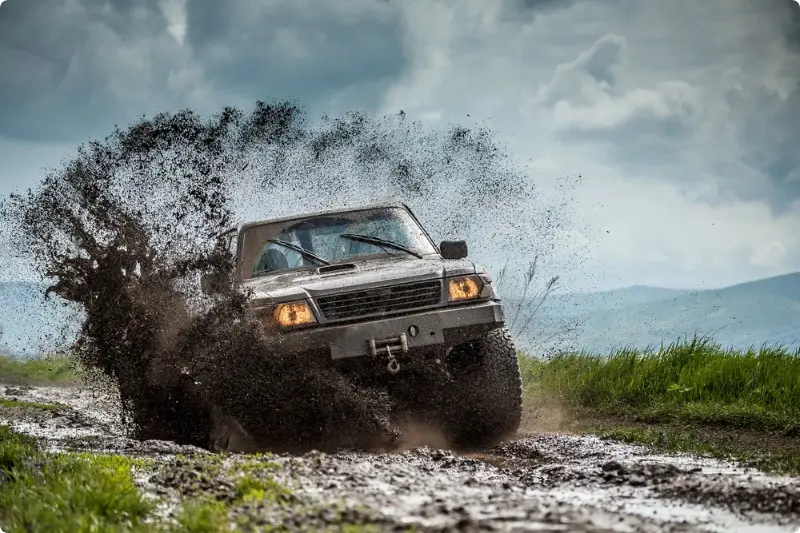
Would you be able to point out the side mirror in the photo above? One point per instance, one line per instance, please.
(453, 249)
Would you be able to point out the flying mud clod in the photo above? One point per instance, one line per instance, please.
(128, 227)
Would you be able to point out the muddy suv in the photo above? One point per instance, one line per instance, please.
(368, 290)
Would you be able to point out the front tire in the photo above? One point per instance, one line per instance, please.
(484, 398)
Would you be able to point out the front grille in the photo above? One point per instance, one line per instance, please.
(378, 301)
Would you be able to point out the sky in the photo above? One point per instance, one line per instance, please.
(682, 117)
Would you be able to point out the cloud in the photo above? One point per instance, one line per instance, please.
(733, 124)
(175, 13)
(790, 16)
(593, 71)
(586, 99)
(653, 232)
(312, 51)
(24, 163)
(80, 66)
(768, 135)
(527, 10)
(667, 109)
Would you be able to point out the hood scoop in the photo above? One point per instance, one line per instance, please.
(333, 269)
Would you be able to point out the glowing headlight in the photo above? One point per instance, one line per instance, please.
(294, 314)
(465, 288)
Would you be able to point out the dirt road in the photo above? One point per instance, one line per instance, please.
(545, 482)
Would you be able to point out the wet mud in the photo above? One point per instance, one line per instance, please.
(536, 482)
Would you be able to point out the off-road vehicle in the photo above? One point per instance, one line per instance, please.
(367, 290)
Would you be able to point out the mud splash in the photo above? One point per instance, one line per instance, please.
(127, 228)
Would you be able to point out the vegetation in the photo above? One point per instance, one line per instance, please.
(681, 387)
(87, 492)
(10, 403)
(203, 516)
(66, 492)
(522, 315)
(49, 370)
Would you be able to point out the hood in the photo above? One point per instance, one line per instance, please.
(361, 275)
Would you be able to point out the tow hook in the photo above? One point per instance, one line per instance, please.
(379, 346)
(393, 366)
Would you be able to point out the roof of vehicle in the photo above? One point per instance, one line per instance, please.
(321, 213)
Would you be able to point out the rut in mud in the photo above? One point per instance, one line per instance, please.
(127, 227)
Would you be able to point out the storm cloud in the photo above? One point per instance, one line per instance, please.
(73, 68)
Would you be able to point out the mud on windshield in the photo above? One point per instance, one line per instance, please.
(333, 238)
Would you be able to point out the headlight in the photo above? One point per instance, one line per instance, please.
(294, 314)
(464, 288)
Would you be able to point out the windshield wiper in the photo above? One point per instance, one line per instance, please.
(379, 242)
(302, 251)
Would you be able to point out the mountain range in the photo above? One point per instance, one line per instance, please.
(756, 313)
(759, 312)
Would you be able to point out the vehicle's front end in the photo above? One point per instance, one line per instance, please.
(401, 317)
(368, 291)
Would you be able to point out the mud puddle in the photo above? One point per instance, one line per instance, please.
(547, 482)
(77, 419)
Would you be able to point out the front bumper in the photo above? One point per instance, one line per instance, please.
(443, 326)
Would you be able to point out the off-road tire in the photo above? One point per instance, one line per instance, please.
(483, 403)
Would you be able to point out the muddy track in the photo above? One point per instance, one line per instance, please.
(547, 482)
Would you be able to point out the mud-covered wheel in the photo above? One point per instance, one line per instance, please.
(483, 405)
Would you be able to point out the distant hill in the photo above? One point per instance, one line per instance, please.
(759, 312)
(581, 303)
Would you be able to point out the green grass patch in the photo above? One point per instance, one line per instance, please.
(202, 516)
(48, 370)
(692, 381)
(366, 528)
(691, 396)
(9, 403)
(66, 492)
(251, 488)
(257, 463)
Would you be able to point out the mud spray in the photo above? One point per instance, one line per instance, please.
(127, 227)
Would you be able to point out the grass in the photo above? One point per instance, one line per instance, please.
(85, 492)
(202, 516)
(48, 370)
(8, 403)
(96, 493)
(66, 492)
(740, 399)
(250, 488)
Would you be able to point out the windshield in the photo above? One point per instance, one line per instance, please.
(332, 239)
